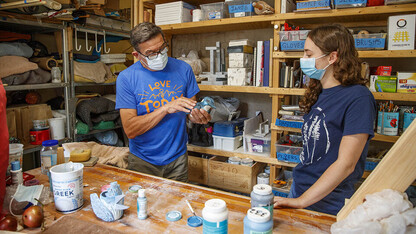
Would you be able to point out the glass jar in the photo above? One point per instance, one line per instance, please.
(56, 75)
(48, 155)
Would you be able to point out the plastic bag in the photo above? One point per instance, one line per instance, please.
(223, 108)
(193, 60)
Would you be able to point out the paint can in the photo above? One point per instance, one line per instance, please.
(262, 196)
(408, 118)
(247, 162)
(263, 178)
(67, 182)
(215, 217)
(57, 126)
(196, 15)
(258, 221)
(234, 160)
(388, 123)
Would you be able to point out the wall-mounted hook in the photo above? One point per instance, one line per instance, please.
(76, 40)
(86, 43)
(105, 45)
(96, 44)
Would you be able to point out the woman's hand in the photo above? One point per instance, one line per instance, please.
(280, 202)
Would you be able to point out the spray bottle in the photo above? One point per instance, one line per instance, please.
(16, 171)
(142, 205)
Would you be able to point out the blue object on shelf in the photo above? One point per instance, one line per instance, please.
(288, 157)
(313, 4)
(292, 45)
(351, 3)
(279, 193)
(229, 128)
(370, 43)
(370, 165)
(288, 124)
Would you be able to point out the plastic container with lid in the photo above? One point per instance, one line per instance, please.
(213, 11)
(370, 41)
(15, 154)
(234, 160)
(240, 8)
(215, 217)
(247, 162)
(349, 3)
(48, 155)
(56, 75)
(258, 221)
(262, 196)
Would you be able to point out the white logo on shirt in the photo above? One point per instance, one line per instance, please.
(311, 134)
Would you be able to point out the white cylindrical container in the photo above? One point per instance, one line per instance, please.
(56, 75)
(263, 178)
(15, 154)
(16, 171)
(234, 160)
(262, 196)
(258, 221)
(196, 15)
(57, 127)
(215, 215)
(247, 162)
(67, 182)
(142, 205)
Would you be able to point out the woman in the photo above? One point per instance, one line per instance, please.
(338, 123)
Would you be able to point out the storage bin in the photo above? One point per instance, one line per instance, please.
(394, 2)
(240, 8)
(293, 40)
(338, 4)
(239, 178)
(371, 163)
(198, 169)
(288, 153)
(173, 13)
(313, 5)
(374, 41)
(229, 128)
(280, 192)
(213, 11)
(227, 143)
(257, 144)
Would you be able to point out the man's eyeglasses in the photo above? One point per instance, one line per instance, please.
(163, 50)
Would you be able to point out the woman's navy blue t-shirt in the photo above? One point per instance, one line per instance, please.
(339, 111)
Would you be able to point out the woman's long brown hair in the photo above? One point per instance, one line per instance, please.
(347, 68)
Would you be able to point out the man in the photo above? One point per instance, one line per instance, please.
(155, 97)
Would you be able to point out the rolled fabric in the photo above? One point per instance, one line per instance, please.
(45, 63)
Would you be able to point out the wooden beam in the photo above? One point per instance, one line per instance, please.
(395, 171)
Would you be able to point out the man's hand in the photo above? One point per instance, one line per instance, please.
(280, 202)
(180, 104)
(199, 116)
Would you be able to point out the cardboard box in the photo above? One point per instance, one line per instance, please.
(11, 122)
(239, 76)
(232, 177)
(198, 169)
(401, 32)
(240, 60)
(24, 115)
(100, 2)
(406, 82)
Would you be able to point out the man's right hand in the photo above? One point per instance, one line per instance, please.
(181, 104)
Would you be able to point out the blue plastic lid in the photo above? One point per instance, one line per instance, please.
(194, 221)
(173, 215)
(49, 143)
(15, 165)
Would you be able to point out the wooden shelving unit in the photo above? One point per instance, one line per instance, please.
(383, 54)
(379, 137)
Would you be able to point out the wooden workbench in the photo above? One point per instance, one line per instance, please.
(165, 195)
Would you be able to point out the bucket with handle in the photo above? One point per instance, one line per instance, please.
(57, 126)
(67, 186)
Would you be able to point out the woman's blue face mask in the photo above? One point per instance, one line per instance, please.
(308, 66)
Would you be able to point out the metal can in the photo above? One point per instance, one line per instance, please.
(263, 178)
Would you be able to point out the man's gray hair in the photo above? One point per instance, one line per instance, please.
(144, 32)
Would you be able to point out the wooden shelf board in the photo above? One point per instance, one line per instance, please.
(379, 137)
(362, 54)
(264, 158)
(366, 14)
(237, 89)
(409, 97)
(220, 25)
(367, 173)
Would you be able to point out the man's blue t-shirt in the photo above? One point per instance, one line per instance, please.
(339, 111)
(146, 91)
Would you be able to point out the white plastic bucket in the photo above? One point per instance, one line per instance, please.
(67, 186)
(15, 154)
(57, 127)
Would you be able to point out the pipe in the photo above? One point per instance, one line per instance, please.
(26, 3)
